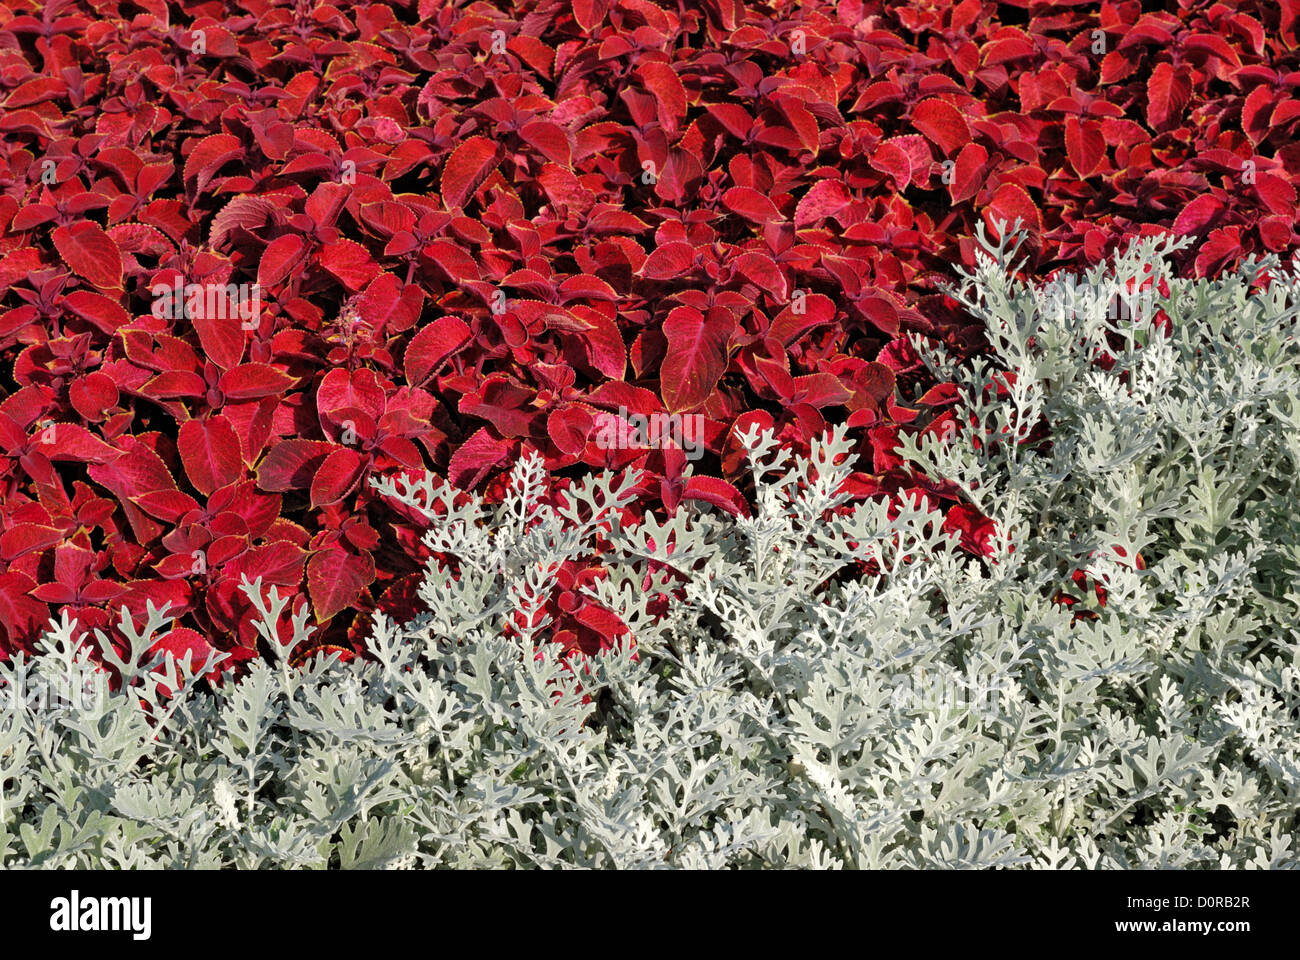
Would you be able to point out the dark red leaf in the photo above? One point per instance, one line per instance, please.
(209, 449)
(91, 253)
(432, 346)
(468, 164)
(697, 355)
(336, 578)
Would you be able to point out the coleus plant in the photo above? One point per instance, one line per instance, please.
(477, 231)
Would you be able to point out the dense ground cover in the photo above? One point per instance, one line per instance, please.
(1112, 684)
(479, 230)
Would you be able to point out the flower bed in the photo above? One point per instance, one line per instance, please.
(254, 255)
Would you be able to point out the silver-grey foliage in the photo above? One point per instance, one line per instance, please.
(834, 684)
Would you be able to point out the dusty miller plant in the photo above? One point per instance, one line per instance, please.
(834, 684)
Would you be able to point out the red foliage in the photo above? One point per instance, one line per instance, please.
(484, 226)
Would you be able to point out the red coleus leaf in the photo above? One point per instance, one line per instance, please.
(1199, 214)
(975, 530)
(208, 156)
(452, 259)
(763, 271)
(501, 401)
(248, 213)
(1220, 246)
(669, 262)
(431, 347)
(884, 443)
(667, 89)
(475, 457)
(342, 390)
(717, 492)
(104, 313)
(90, 253)
(589, 13)
(291, 464)
(169, 505)
(33, 216)
(350, 262)
(137, 471)
(890, 158)
(820, 390)
(222, 339)
(68, 441)
(697, 355)
(389, 306)
(751, 205)
(966, 176)
(569, 427)
(1085, 145)
(35, 91)
(604, 622)
(881, 312)
(279, 257)
(21, 615)
(15, 320)
(1006, 48)
(17, 264)
(680, 176)
(1277, 233)
(183, 643)
(940, 395)
(825, 198)
(209, 449)
(174, 383)
(942, 123)
(794, 321)
(550, 140)
(1277, 194)
(468, 164)
(248, 381)
(918, 155)
(335, 579)
(1168, 91)
(604, 344)
(24, 538)
(337, 475)
(1012, 203)
(279, 563)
